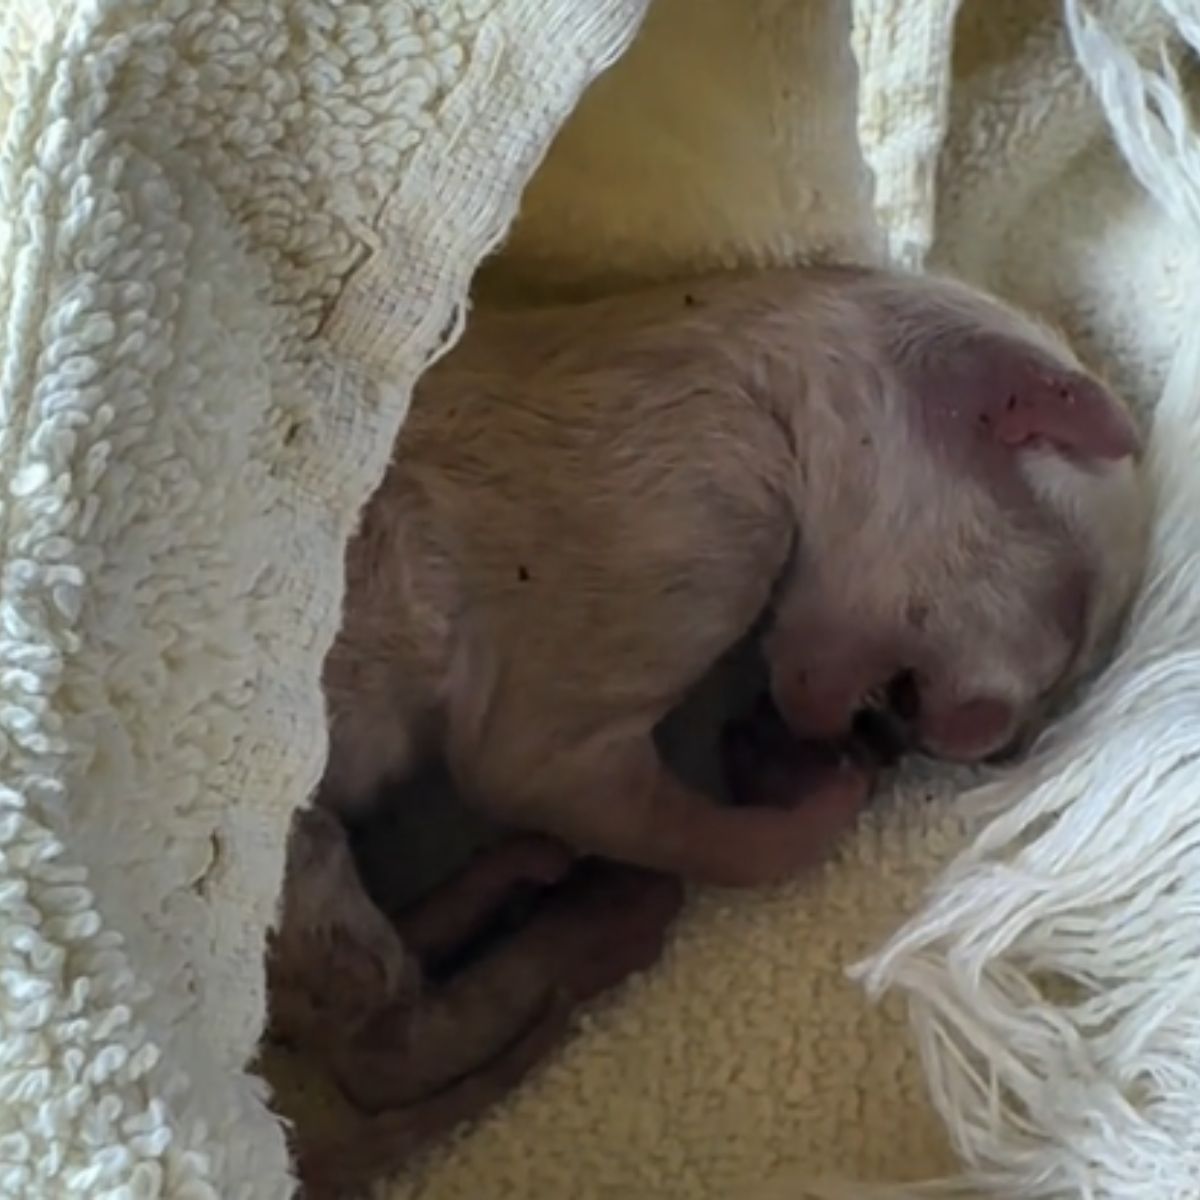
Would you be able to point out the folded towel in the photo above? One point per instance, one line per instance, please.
(232, 234)
(185, 186)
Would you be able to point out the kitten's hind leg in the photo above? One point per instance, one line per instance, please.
(334, 958)
(584, 935)
(421, 1069)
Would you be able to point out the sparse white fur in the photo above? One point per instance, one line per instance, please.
(1105, 506)
(589, 504)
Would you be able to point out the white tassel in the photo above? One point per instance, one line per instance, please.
(1054, 977)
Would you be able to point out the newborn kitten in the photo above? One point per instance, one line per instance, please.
(589, 504)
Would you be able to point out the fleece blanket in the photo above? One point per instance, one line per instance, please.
(232, 233)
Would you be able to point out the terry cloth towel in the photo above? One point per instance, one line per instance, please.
(232, 232)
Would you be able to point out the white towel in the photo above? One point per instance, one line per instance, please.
(232, 232)
(185, 186)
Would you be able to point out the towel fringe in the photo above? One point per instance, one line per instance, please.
(1052, 978)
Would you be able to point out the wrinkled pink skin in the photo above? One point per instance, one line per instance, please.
(588, 506)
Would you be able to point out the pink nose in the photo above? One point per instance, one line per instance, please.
(969, 731)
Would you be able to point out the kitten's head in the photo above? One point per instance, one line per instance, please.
(976, 559)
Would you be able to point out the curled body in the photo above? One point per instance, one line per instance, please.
(936, 506)
(572, 531)
(589, 504)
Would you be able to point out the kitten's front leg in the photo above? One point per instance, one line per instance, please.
(620, 801)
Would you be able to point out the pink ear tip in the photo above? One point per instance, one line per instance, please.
(1073, 412)
(1115, 435)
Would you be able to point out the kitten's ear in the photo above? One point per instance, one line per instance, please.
(1026, 400)
(997, 388)
(980, 372)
